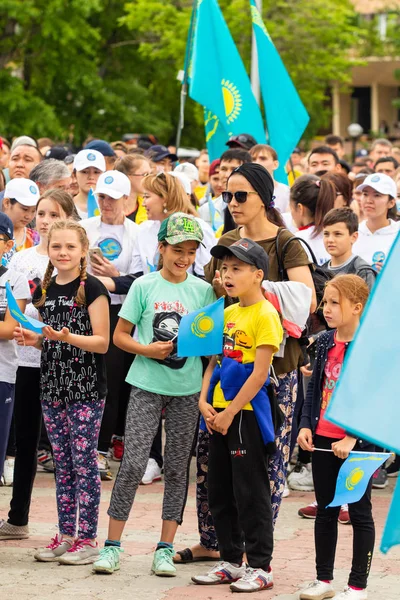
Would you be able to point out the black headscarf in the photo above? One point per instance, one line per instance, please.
(260, 180)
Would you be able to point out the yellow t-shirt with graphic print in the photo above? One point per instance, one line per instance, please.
(245, 329)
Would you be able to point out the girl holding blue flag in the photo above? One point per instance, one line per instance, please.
(344, 300)
(160, 379)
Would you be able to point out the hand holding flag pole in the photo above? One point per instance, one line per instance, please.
(24, 321)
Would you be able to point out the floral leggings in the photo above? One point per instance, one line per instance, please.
(286, 393)
(73, 430)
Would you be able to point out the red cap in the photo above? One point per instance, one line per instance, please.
(213, 167)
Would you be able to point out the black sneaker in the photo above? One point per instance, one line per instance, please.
(380, 479)
(394, 468)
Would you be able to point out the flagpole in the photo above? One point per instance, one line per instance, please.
(255, 75)
(184, 88)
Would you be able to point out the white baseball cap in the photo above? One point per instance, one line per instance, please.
(184, 179)
(381, 183)
(25, 191)
(89, 158)
(114, 184)
(189, 170)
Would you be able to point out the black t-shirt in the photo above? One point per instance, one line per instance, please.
(67, 372)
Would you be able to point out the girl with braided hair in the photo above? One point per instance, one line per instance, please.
(75, 307)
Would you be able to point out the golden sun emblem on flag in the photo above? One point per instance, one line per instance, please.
(202, 325)
(232, 100)
(354, 478)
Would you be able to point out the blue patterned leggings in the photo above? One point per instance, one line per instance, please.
(287, 393)
(73, 430)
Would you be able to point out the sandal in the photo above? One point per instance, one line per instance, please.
(187, 557)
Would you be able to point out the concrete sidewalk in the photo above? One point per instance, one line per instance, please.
(23, 578)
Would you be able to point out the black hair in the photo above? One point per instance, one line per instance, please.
(317, 195)
(324, 150)
(236, 154)
(332, 140)
(385, 159)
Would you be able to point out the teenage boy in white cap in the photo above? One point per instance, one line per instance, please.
(88, 166)
(19, 204)
(377, 233)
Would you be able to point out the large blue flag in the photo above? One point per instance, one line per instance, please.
(25, 322)
(354, 475)
(92, 205)
(366, 398)
(201, 331)
(391, 533)
(218, 80)
(286, 115)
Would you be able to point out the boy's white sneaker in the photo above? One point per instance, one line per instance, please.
(254, 580)
(317, 590)
(350, 594)
(152, 473)
(222, 572)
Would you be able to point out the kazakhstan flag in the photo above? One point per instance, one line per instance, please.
(200, 332)
(286, 115)
(219, 81)
(354, 475)
(92, 206)
(16, 313)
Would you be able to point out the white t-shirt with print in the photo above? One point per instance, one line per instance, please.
(33, 265)
(8, 348)
(374, 247)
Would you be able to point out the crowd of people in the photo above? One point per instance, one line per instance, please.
(111, 282)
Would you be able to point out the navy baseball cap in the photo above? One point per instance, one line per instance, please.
(158, 152)
(101, 146)
(6, 226)
(245, 250)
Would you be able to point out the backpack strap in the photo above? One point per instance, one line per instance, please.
(2, 270)
(280, 253)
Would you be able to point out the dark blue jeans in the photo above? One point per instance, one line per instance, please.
(6, 411)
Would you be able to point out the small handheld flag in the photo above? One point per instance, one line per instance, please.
(200, 332)
(18, 315)
(216, 219)
(92, 206)
(354, 475)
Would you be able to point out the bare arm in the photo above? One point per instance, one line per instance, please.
(123, 339)
(9, 324)
(303, 275)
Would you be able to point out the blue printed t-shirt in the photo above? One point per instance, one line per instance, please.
(156, 307)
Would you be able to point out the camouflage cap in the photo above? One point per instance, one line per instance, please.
(180, 227)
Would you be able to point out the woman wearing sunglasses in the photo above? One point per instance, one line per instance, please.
(250, 201)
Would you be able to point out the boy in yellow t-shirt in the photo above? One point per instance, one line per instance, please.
(235, 405)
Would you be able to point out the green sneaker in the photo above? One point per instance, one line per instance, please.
(163, 565)
(108, 560)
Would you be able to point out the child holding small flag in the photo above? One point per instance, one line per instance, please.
(344, 300)
(160, 379)
(238, 412)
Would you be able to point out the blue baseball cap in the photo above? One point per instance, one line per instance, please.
(101, 146)
(6, 226)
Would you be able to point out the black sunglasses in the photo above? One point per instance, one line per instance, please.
(240, 197)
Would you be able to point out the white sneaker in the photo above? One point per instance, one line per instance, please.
(57, 547)
(317, 590)
(222, 572)
(286, 491)
(83, 552)
(254, 580)
(152, 473)
(350, 594)
(8, 471)
(300, 478)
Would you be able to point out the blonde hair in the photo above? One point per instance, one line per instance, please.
(170, 189)
(351, 287)
(67, 225)
(129, 163)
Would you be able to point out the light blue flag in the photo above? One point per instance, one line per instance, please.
(200, 332)
(218, 80)
(391, 533)
(354, 475)
(286, 115)
(366, 398)
(18, 315)
(216, 219)
(92, 206)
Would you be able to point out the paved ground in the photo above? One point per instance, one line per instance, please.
(24, 579)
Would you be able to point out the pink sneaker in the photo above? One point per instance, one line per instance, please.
(83, 552)
(57, 547)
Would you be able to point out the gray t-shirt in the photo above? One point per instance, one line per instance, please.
(355, 265)
(8, 348)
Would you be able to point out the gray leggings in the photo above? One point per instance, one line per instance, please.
(142, 420)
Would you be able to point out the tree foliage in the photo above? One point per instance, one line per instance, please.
(101, 67)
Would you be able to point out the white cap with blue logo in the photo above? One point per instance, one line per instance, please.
(381, 183)
(89, 158)
(114, 184)
(25, 191)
